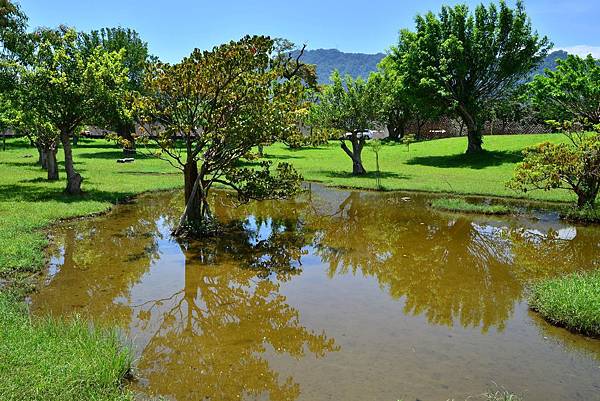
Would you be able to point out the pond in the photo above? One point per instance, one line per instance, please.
(341, 295)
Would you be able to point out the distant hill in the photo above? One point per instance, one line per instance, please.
(361, 65)
(355, 64)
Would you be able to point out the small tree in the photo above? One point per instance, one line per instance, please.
(352, 107)
(572, 91)
(211, 109)
(574, 166)
(69, 88)
(466, 61)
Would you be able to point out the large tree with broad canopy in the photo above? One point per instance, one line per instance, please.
(469, 60)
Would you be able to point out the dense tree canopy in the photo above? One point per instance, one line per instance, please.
(468, 60)
(211, 109)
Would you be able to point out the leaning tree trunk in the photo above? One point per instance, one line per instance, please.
(355, 154)
(193, 198)
(51, 163)
(74, 179)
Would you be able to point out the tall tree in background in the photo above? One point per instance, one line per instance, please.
(70, 88)
(135, 57)
(572, 91)
(350, 106)
(211, 109)
(467, 61)
(13, 47)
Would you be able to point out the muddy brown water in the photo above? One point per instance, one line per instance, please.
(336, 295)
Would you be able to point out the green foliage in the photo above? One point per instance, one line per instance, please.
(573, 166)
(134, 56)
(461, 205)
(572, 91)
(348, 104)
(572, 301)
(55, 360)
(466, 61)
(211, 109)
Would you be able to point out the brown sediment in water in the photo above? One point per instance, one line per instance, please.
(334, 295)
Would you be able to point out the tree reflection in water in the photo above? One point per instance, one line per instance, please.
(455, 270)
(209, 339)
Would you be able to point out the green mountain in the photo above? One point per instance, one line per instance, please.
(355, 64)
(361, 65)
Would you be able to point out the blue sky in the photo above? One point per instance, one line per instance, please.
(174, 27)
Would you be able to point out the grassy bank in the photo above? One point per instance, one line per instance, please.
(49, 359)
(434, 166)
(572, 302)
(56, 360)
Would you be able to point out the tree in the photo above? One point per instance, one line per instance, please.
(466, 61)
(211, 109)
(135, 57)
(396, 106)
(572, 91)
(13, 46)
(70, 88)
(573, 166)
(351, 107)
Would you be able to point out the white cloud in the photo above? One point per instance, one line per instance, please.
(582, 50)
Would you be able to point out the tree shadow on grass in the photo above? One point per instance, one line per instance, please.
(36, 193)
(475, 161)
(116, 154)
(370, 174)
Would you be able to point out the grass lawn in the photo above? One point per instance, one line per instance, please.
(572, 301)
(433, 166)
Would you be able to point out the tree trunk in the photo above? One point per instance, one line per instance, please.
(74, 179)
(586, 199)
(126, 132)
(43, 151)
(396, 131)
(261, 151)
(4, 141)
(355, 154)
(192, 200)
(474, 139)
(51, 163)
(75, 139)
(474, 131)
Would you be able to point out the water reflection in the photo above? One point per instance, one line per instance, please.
(212, 319)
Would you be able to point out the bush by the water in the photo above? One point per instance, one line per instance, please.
(572, 301)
